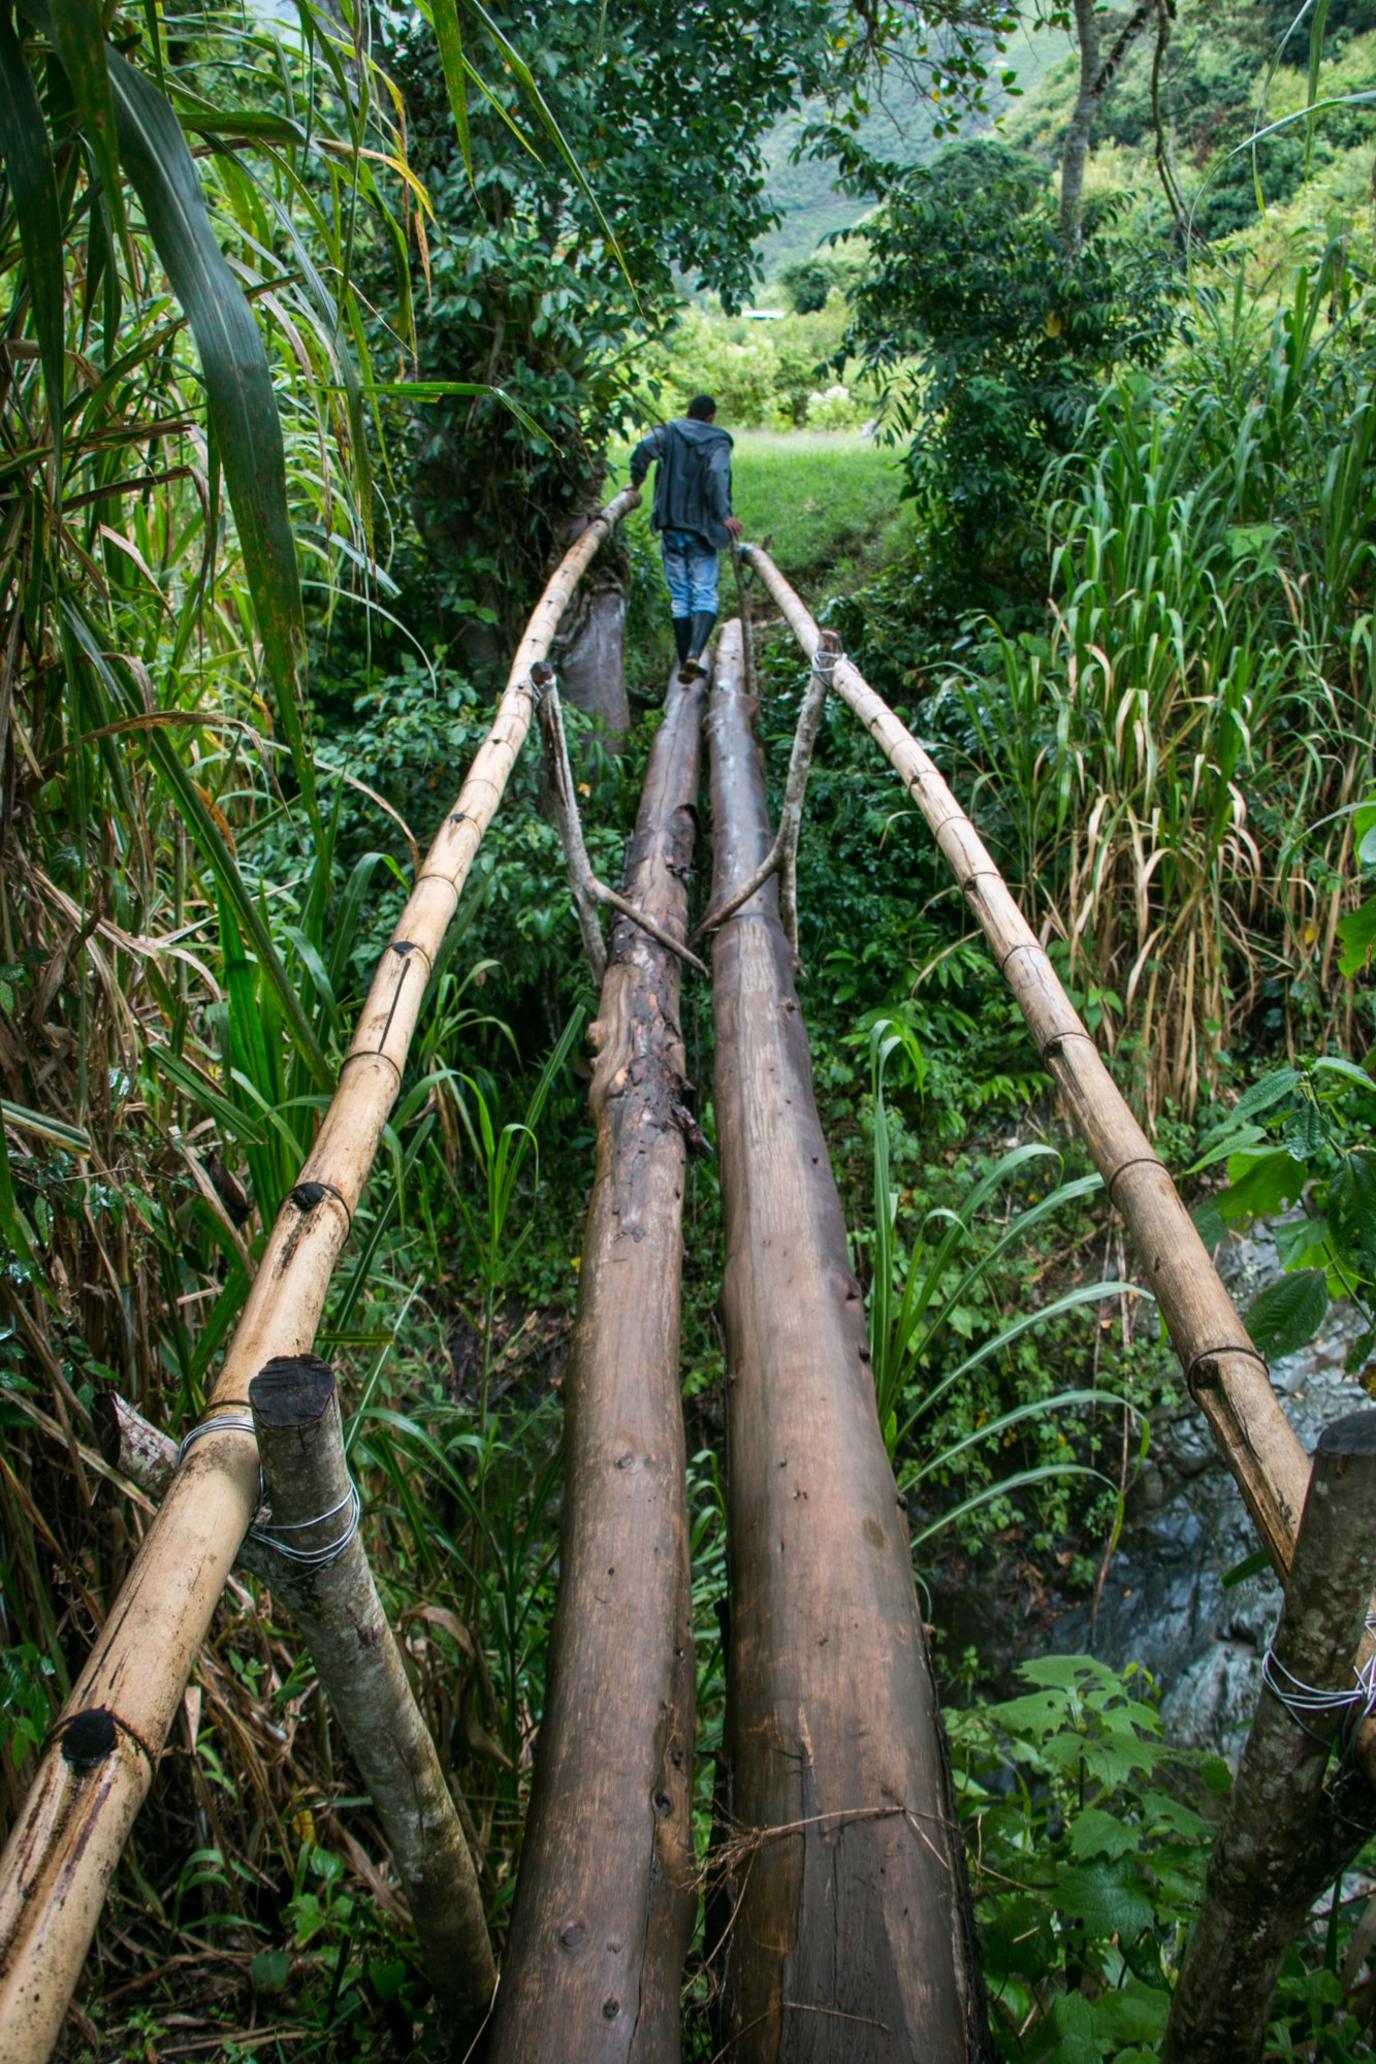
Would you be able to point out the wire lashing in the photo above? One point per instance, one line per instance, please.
(1300, 1699)
(270, 1533)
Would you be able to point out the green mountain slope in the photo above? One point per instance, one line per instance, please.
(899, 128)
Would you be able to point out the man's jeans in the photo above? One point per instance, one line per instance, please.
(690, 567)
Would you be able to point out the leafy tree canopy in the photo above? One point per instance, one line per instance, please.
(664, 104)
(989, 334)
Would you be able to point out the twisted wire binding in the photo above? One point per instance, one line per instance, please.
(824, 661)
(329, 1551)
(1354, 1705)
(219, 1422)
(268, 1533)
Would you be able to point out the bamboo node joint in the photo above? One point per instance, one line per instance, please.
(307, 1195)
(88, 1737)
(1197, 1376)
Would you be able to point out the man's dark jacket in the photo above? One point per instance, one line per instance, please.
(693, 478)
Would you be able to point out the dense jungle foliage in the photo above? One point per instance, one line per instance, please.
(324, 327)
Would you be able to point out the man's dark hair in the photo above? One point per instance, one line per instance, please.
(702, 408)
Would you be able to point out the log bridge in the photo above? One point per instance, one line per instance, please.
(846, 1924)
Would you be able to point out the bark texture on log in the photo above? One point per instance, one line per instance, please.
(1285, 1838)
(607, 1897)
(852, 1935)
(64, 1846)
(335, 1603)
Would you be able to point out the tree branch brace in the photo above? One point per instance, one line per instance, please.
(588, 891)
(782, 857)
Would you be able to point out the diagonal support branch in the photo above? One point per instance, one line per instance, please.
(782, 857)
(588, 891)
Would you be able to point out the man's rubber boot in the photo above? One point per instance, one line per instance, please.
(683, 636)
(702, 622)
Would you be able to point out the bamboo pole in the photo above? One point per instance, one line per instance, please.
(64, 1847)
(324, 1577)
(851, 1935)
(606, 1897)
(1224, 1372)
(1285, 1838)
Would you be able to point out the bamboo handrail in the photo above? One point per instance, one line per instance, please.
(67, 1841)
(1224, 1372)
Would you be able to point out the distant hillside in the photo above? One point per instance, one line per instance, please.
(805, 193)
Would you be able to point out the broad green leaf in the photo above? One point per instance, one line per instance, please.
(1108, 1897)
(1289, 1312)
(1348, 1071)
(1266, 1093)
(1358, 933)
(1261, 1185)
(1352, 1208)
(1135, 2013)
(28, 159)
(238, 381)
(444, 16)
(1096, 1833)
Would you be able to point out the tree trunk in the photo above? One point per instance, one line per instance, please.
(592, 668)
(852, 1935)
(325, 1578)
(1285, 1838)
(606, 1900)
(1096, 76)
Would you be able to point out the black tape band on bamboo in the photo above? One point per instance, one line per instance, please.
(68, 1838)
(606, 1898)
(328, 1585)
(1285, 1837)
(850, 1933)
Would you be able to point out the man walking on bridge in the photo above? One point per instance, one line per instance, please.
(692, 513)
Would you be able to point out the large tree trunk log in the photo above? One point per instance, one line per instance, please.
(605, 1905)
(1285, 1838)
(852, 1935)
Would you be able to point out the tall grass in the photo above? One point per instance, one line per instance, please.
(1203, 691)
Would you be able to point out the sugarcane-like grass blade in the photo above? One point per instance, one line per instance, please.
(238, 381)
(79, 35)
(28, 159)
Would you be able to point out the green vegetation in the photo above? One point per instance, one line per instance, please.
(298, 397)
